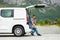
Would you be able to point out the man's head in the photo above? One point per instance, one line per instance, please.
(34, 17)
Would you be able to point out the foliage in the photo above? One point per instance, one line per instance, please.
(58, 21)
(48, 21)
(41, 22)
(46, 13)
(32, 2)
(51, 13)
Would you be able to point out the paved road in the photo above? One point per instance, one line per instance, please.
(28, 37)
(53, 29)
(48, 33)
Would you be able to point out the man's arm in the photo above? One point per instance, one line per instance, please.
(34, 24)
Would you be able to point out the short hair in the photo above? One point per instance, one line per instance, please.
(33, 15)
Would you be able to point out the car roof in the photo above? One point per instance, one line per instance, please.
(12, 8)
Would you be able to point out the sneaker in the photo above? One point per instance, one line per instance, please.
(32, 34)
(39, 34)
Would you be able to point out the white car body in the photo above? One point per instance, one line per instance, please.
(19, 18)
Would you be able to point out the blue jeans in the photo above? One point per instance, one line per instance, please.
(33, 28)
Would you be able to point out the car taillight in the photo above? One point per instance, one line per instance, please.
(27, 19)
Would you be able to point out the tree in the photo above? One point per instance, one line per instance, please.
(50, 1)
(33, 1)
(1, 1)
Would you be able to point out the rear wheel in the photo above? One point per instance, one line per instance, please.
(18, 31)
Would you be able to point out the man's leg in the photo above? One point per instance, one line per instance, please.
(35, 30)
(32, 33)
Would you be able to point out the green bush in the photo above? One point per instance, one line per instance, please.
(58, 21)
(42, 22)
(48, 22)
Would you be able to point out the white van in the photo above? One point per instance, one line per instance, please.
(14, 20)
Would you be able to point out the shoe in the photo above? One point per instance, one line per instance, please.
(39, 34)
(32, 34)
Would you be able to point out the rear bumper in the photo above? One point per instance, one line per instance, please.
(27, 30)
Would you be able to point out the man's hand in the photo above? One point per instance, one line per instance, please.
(35, 25)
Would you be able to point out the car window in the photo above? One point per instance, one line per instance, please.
(7, 13)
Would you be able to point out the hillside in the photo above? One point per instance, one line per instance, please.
(52, 13)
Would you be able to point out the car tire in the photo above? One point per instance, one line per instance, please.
(18, 31)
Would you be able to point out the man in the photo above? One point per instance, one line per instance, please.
(32, 25)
